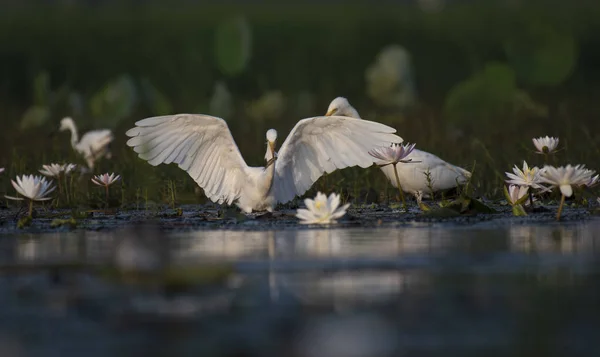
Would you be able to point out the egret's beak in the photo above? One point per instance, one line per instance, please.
(331, 112)
(273, 157)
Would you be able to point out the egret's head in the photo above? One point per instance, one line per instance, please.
(341, 106)
(65, 123)
(271, 138)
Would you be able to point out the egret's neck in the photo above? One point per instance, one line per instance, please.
(74, 135)
(269, 172)
(269, 175)
(268, 154)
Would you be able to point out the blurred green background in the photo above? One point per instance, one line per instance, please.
(470, 81)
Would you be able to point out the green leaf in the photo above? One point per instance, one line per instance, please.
(541, 55)
(34, 117)
(518, 211)
(233, 45)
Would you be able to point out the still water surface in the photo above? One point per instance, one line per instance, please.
(422, 290)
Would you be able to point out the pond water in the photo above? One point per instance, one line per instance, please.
(420, 290)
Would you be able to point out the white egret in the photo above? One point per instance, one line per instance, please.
(203, 146)
(412, 175)
(93, 145)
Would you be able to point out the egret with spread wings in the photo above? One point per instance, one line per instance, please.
(203, 146)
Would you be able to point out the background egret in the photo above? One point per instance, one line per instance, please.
(442, 175)
(93, 145)
(203, 146)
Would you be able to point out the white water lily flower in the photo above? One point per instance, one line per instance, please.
(392, 154)
(516, 193)
(528, 177)
(593, 179)
(322, 210)
(35, 188)
(1, 170)
(565, 176)
(105, 179)
(545, 145)
(55, 170)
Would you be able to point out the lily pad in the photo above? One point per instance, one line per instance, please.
(70, 222)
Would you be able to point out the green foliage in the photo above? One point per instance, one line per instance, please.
(489, 94)
(233, 45)
(44, 102)
(114, 102)
(541, 55)
(35, 116)
(24, 221)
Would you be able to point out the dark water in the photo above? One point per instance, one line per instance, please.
(424, 290)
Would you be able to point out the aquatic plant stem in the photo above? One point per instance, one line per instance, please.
(106, 187)
(400, 188)
(530, 199)
(562, 202)
(66, 189)
(30, 208)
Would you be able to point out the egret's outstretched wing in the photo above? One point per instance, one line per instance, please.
(95, 141)
(202, 145)
(325, 144)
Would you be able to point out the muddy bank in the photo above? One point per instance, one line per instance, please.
(194, 217)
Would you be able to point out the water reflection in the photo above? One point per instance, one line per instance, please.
(570, 239)
(318, 244)
(426, 289)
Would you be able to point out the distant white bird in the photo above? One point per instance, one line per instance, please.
(93, 145)
(203, 146)
(412, 175)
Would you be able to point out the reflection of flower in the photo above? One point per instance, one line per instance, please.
(322, 210)
(545, 145)
(105, 179)
(55, 170)
(528, 177)
(516, 193)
